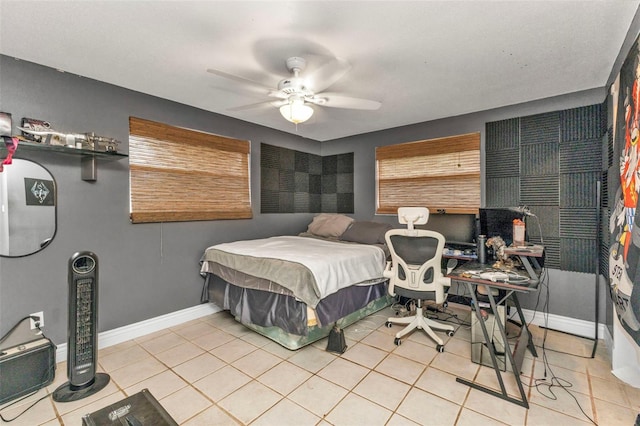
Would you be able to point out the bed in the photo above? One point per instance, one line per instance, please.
(294, 289)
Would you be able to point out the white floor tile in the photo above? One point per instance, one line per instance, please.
(214, 371)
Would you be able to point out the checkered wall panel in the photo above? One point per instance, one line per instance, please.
(299, 182)
(551, 162)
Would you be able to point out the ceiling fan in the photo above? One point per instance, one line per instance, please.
(295, 94)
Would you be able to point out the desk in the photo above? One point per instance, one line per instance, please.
(467, 273)
(528, 255)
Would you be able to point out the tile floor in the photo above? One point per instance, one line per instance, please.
(214, 371)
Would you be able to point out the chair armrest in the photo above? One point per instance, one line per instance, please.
(388, 273)
(446, 282)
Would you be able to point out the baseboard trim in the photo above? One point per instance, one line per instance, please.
(122, 334)
(574, 326)
(569, 325)
(142, 328)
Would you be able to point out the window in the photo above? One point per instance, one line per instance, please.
(441, 174)
(179, 174)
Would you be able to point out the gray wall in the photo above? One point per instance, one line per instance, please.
(571, 294)
(146, 270)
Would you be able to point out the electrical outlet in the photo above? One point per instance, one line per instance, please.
(37, 324)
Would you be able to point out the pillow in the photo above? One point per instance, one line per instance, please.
(364, 232)
(329, 225)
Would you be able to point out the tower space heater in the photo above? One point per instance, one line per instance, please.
(82, 350)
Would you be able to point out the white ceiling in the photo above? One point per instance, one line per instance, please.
(422, 60)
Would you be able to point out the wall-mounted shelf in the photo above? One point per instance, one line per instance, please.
(88, 157)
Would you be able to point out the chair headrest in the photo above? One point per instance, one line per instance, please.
(413, 216)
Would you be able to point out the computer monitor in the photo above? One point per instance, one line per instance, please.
(457, 229)
(499, 222)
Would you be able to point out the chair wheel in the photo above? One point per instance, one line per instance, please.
(450, 333)
(445, 305)
(440, 348)
(397, 341)
(388, 324)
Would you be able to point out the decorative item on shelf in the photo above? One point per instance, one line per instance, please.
(101, 143)
(89, 141)
(30, 125)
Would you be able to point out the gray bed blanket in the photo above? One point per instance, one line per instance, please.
(318, 268)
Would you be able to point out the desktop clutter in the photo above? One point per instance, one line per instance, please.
(495, 260)
(495, 263)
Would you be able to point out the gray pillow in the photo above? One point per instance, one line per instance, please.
(329, 224)
(365, 232)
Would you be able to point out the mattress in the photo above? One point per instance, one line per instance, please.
(293, 289)
(310, 268)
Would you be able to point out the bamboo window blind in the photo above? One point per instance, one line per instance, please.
(178, 174)
(442, 174)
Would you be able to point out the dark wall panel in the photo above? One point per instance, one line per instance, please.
(540, 128)
(578, 189)
(581, 156)
(504, 135)
(299, 182)
(578, 255)
(503, 163)
(578, 223)
(539, 159)
(542, 190)
(552, 253)
(560, 164)
(502, 191)
(578, 124)
(547, 221)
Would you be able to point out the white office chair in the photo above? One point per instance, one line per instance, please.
(415, 271)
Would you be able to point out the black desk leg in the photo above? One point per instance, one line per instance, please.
(523, 323)
(494, 361)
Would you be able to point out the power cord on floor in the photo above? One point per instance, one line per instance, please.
(8, 333)
(399, 309)
(553, 381)
(431, 311)
(26, 409)
(447, 314)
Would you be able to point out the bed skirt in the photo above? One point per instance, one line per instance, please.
(285, 320)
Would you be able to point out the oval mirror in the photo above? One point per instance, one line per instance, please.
(27, 208)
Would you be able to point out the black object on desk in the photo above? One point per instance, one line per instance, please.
(469, 274)
(482, 249)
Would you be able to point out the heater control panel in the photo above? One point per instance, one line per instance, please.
(83, 264)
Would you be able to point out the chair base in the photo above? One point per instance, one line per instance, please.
(421, 322)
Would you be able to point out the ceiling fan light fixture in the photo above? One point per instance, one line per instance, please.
(296, 111)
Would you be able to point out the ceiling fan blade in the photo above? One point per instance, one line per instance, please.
(247, 84)
(327, 74)
(258, 105)
(277, 94)
(335, 100)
